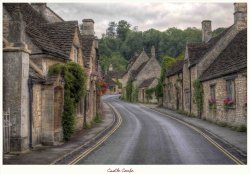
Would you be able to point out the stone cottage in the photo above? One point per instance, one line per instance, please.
(143, 71)
(173, 87)
(113, 78)
(34, 38)
(91, 55)
(219, 63)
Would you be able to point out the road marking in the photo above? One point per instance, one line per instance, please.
(228, 154)
(103, 139)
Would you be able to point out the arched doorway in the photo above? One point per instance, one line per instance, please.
(58, 108)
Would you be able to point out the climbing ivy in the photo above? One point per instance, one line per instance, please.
(74, 88)
(149, 92)
(198, 95)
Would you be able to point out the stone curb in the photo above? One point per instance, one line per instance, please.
(231, 148)
(63, 159)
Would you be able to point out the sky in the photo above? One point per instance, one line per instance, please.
(159, 15)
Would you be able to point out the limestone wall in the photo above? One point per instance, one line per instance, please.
(173, 87)
(37, 114)
(186, 88)
(235, 115)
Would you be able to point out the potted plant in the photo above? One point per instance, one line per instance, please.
(228, 103)
(212, 103)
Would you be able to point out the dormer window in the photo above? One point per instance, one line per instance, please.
(75, 54)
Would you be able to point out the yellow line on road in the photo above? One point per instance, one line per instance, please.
(90, 149)
(232, 157)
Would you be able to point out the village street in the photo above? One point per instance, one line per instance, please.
(148, 137)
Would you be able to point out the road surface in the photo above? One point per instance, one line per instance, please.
(148, 137)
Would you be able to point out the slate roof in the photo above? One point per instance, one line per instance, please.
(109, 81)
(232, 59)
(115, 74)
(197, 50)
(87, 42)
(175, 68)
(35, 76)
(134, 73)
(147, 82)
(52, 38)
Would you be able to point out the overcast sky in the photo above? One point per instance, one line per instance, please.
(160, 16)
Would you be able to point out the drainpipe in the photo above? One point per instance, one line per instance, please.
(190, 88)
(30, 85)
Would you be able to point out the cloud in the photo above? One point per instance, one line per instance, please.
(160, 16)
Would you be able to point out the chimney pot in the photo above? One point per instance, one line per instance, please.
(88, 27)
(240, 15)
(206, 30)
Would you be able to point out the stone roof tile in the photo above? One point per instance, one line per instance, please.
(232, 59)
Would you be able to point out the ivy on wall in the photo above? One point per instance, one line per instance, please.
(198, 95)
(74, 89)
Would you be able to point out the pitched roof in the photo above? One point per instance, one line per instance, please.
(134, 73)
(115, 74)
(52, 38)
(147, 82)
(175, 68)
(197, 50)
(61, 33)
(109, 81)
(232, 59)
(87, 42)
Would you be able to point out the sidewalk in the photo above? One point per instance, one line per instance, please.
(48, 154)
(237, 139)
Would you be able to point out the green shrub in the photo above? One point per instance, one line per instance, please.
(98, 118)
(241, 128)
(74, 89)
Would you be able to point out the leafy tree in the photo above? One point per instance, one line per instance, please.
(111, 30)
(218, 31)
(122, 29)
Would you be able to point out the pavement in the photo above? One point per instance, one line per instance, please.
(56, 154)
(237, 139)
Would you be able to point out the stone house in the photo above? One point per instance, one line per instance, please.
(143, 71)
(91, 55)
(34, 38)
(172, 95)
(228, 55)
(113, 78)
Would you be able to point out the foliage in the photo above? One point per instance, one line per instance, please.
(149, 93)
(101, 87)
(166, 63)
(118, 83)
(134, 94)
(98, 118)
(74, 89)
(123, 39)
(217, 31)
(212, 103)
(198, 95)
(228, 102)
(129, 90)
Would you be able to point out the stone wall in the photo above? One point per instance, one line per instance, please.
(16, 95)
(37, 114)
(150, 70)
(237, 114)
(186, 88)
(194, 77)
(139, 60)
(174, 88)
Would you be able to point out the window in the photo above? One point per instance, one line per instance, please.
(212, 92)
(75, 54)
(230, 89)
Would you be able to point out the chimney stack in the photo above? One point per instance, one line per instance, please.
(240, 15)
(40, 8)
(206, 30)
(153, 51)
(88, 27)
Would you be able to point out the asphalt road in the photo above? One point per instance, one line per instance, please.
(148, 137)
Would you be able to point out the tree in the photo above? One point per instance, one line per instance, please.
(218, 31)
(111, 30)
(122, 29)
